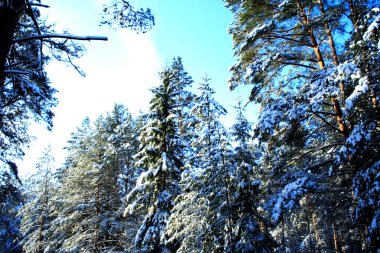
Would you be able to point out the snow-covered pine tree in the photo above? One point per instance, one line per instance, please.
(361, 150)
(182, 82)
(120, 134)
(311, 107)
(27, 44)
(36, 213)
(121, 131)
(89, 215)
(160, 157)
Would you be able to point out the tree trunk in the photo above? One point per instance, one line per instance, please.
(283, 235)
(9, 15)
(318, 54)
(354, 15)
(314, 223)
(332, 46)
(97, 206)
(40, 233)
(339, 116)
(338, 248)
(229, 219)
(375, 104)
(309, 31)
(329, 34)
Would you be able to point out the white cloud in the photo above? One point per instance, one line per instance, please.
(118, 71)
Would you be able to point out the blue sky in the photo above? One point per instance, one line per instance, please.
(123, 69)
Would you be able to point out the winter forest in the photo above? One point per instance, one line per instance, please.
(304, 177)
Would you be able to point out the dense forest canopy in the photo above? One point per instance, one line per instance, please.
(304, 177)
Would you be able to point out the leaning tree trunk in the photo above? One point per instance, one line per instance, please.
(9, 16)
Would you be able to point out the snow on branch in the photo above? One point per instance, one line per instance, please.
(373, 27)
(61, 36)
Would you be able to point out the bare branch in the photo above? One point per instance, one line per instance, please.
(61, 36)
(39, 5)
(318, 165)
(325, 113)
(326, 122)
(33, 17)
(297, 64)
(16, 72)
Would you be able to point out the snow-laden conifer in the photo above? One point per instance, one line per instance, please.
(37, 212)
(318, 123)
(88, 201)
(160, 156)
(200, 216)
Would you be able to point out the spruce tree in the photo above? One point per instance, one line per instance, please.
(89, 215)
(10, 201)
(36, 213)
(200, 216)
(160, 155)
(250, 228)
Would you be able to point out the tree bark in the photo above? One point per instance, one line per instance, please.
(9, 16)
(339, 116)
(332, 46)
(314, 223)
(338, 248)
(354, 14)
(97, 228)
(375, 104)
(329, 34)
(314, 43)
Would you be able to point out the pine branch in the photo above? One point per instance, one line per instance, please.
(296, 64)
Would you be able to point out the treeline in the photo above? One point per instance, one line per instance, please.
(171, 180)
(304, 178)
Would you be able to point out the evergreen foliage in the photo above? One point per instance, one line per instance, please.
(161, 150)
(10, 201)
(304, 178)
(318, 115)
(36, 213)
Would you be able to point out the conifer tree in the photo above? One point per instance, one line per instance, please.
(89, 215)
(249, 226)
(10, 201)
(27, 44)
(205, 183)
(313, 96)
(36, 213)
(160, 155)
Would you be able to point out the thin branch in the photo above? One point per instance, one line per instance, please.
(61, 36)
(328, 104)
(316, 166)
(33, 17)
(39, 5)
(325, 113)
(273, 36)
(332, 190)
(297, 64)
(16, 72)
(326, 122)
(295, 159)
